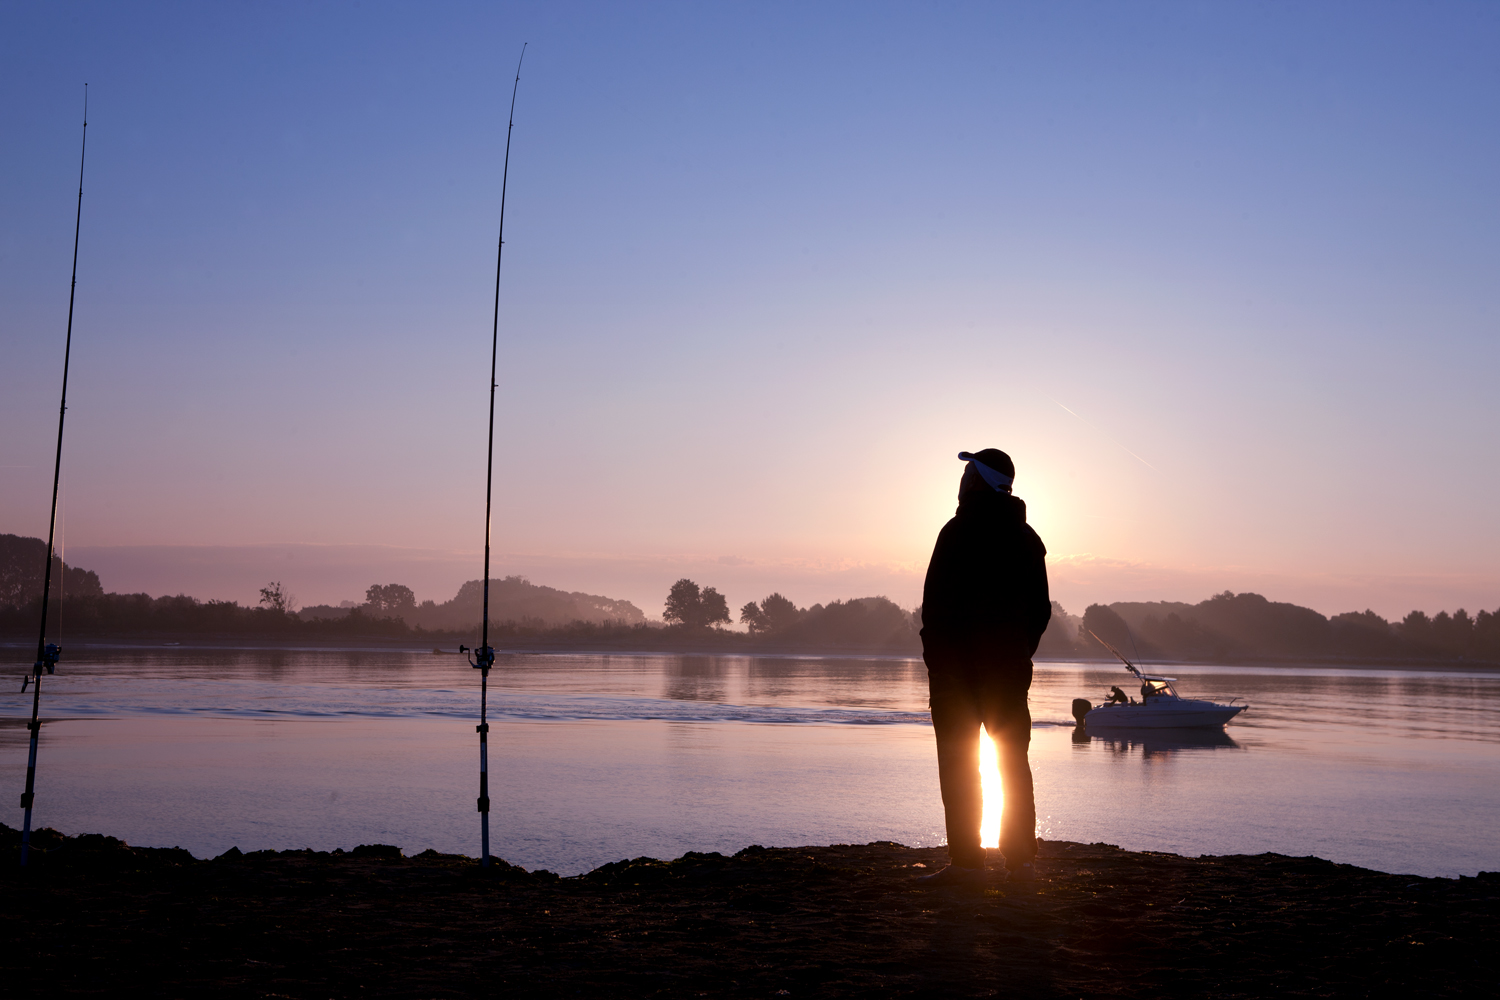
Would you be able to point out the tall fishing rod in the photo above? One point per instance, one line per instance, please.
(1128, 665)
(48, 653)
(484, 656)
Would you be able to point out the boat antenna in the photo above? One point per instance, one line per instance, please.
(48, 653)
(1128, 665)
(484, 656)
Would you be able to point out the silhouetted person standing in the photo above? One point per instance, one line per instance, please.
(984, 608)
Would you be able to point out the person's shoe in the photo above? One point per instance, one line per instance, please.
(1025, 872)
(953, 875)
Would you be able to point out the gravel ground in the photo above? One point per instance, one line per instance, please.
(94, 917)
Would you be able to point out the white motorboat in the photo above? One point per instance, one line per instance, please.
(1160, 707)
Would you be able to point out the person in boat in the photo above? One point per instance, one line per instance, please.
(1153, 689)
(985, 606)
(1116, 696)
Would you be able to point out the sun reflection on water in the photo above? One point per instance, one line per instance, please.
(994, 798)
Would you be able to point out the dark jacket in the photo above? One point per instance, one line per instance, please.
(986, 590)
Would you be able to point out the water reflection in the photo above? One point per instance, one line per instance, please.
(601, 756)
(696, 678)
(1154, 742)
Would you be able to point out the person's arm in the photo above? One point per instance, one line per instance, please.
(1038, 599)
(938, 590)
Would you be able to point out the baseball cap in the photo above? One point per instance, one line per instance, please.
(993, 465)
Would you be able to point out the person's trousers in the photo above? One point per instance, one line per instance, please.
(961, 702)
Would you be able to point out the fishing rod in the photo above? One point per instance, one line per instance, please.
(1128, 665)
(484, 656)
(47, 653)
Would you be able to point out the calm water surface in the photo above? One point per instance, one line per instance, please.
(594, 758)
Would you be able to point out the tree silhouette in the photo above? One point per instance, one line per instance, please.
(682, 602)
(695, 608)
(752, 616)
(771, 615)
(779, 612)
(390, 601)
(714, 608)
(274, 597)
(1106, 623)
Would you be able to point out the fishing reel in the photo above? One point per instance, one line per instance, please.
(483, 658)
(48, 661)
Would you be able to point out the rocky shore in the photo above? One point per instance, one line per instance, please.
(92, 916)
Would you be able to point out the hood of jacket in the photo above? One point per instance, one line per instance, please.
(989, 505)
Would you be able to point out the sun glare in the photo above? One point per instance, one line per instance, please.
(994, 799)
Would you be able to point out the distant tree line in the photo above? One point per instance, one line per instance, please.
(865, 622)
(512, 599)
(1227, 627)
(102, 616)
(80, 607)
(1231, 626)
(773, 614)
(23, 562)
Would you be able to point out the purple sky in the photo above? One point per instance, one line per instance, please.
(1220, 277)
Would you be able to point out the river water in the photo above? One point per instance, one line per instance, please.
(596, 757)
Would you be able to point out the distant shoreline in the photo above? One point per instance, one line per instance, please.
(1226, 628)
(20, 651)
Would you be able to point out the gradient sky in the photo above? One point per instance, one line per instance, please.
(1221, 278)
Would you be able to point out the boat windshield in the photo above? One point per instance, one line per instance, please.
(1154, 688)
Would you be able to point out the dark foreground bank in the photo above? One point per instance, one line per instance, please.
(93, 916)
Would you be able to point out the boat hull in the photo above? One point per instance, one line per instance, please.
(1180, 713)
